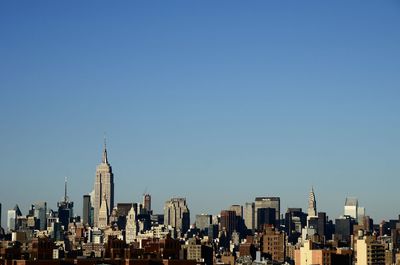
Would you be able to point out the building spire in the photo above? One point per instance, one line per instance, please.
(105, 158)
(312, 204)
(65, 190)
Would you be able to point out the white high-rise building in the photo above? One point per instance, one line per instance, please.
(131, 225)
(249, 215)
(351, 207)
(12, 216)
(360, 214)
(103, 186)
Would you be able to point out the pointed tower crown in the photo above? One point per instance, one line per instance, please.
(66, 199)
(105, 158)
(312, 204)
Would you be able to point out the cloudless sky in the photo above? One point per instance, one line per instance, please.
(215, 101)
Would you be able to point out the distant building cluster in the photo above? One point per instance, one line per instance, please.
(256, 233)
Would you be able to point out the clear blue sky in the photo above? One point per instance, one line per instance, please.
(217, 101)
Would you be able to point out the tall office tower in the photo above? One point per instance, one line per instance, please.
(240, 225)
(65, 208)
(322, 224)
(131, 228)
(368, 224)
(295, 221)
(344, 228)
(360, 214)
(103, 214)
(238, 209)
(265, 216)
(312, 204)
(12, 216)
(86, 210)
(268, 202)
(103, 186)
(203, 221)
(351, 207)
(147, 202)
(176, 214)
(39, 212)
(228, 221)
(249, 220)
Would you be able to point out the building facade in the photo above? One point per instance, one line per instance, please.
(86, 210)
(370, 252)
(228, 221)
(131, 229)
(65, 208)
(147, 202)
(103, 186)
(268, 202)
(312, 204)
(203, 221)
(249, 214)
(176, 214)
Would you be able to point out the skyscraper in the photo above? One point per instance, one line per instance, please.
(249, 215)
(322, 224)
(12, 216)
(268, 202)
(103, 186)
(39, 211)
(147, 202)
(238, 209)
(86, 207)
(176, 214)
(65, 208)
(265, 216)
(228, 221)
(312, 204)
(351, 207)
(131, 228)
(203, 221)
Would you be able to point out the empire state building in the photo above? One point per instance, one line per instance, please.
(103, 186)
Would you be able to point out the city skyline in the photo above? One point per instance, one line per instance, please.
(265, 99)
(159, 209)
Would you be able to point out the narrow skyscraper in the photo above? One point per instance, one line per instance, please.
(103, 186)
(249, 215)
(39, 212)
(65, 208)
(312, 204)
(131, 225)
(147, 202)
(12, 216)
(86, 209)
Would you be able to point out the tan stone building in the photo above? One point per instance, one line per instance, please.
(370, 252)
(103, 186)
